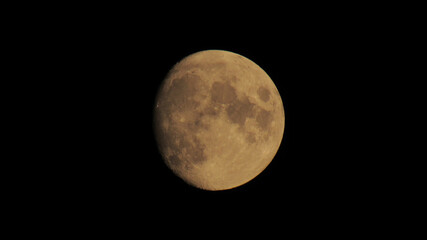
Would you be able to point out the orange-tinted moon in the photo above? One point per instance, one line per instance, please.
(219, 120)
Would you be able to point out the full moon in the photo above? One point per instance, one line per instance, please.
(218, 120)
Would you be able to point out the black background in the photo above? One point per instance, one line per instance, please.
(104, 72)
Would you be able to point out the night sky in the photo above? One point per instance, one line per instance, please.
(113, 68)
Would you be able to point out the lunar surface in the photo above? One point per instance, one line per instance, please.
(218, 120)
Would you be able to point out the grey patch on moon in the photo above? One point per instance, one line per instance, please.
(250, 137)
(264, 94)
(174, 160)
(239, 110)
(264, 118)
(223, 92)
(178, 163)
(182, 91)
(193, 150)
(212, 110)
(185, 150)
(198, 123)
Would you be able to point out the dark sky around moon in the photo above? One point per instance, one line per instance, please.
(112, 76)
(90, 161)
(304, 71)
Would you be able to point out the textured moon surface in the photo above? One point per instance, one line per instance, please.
(218, 120)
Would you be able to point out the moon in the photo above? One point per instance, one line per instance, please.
(218, 120)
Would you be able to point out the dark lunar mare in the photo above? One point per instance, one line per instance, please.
(264, 94)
